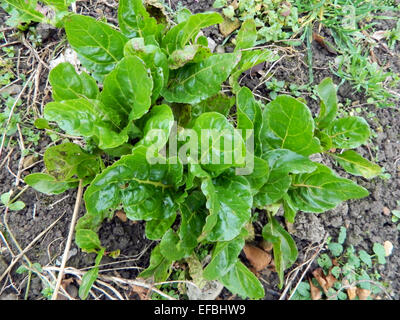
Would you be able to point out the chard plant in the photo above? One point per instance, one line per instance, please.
(160, 87)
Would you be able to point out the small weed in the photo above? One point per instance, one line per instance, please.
(344, 273)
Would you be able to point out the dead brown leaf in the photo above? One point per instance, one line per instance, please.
(257, 257)
(228, 26)
(320, 277)
(352, 293)
(28, 161)
(121, 215)
(363, 294)
(265, 245)
(316, 294)
(324, 43)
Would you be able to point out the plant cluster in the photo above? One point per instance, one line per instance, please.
(46, 11)
(275, 19)
(344, 273)
(153, 76)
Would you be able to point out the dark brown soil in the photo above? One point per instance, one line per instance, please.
(364, 218)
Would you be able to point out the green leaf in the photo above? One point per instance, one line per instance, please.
(249, 116)
(247, 35)
(128, 88)
(281, 162)
(365, 257)
(98, 45)
(226, 147)
(335, 248)
(224, 258)
(342, 235)
(41, 124)
(193, 216)
(325, 262)
(87, 282)
(158, 125)
(67, 160)
(169, 247)
(249, 59)
(322, 190)
(22, 11)
(87, 240)
(349, 132)
(178, 36)
(220, 103)
(380, 253)
(327, 92)
(5, 198)
(134, 20)
(154, 59)
(156, 228)
(240, 280)
(355, 164)
(87, 118)
(159, 268)
(288, 124)
(145, 190)
(229, 201)
(90, 277)
(190, 53)
(284, 247)
(68, 84)
(47, 184)
(259, 177)
(199, 81)
(16, 206)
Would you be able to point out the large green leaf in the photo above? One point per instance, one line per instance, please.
(170, 248)
(68, 84)
(249, 116)
(154, 59)
(224, 257)
(288, 124)
(145, 190)
(281, 162)
(134, 20)
(355, 164)
(87, 240)
(226, 145)
(247, 35)
(68, 160)
(180, 35)
(87, 118)
(159, 268)
(158, 125)
(193, 216)
(199, 81)
(128, 88)
(328, 106)
(47, 184)
(229, 201)
(220, 103)
(240, 280)
(284, 247)
(98, 45)
(349, 132)
(22, 11)
(260, 175)
(322, 190)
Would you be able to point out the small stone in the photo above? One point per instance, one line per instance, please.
(386, 211)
